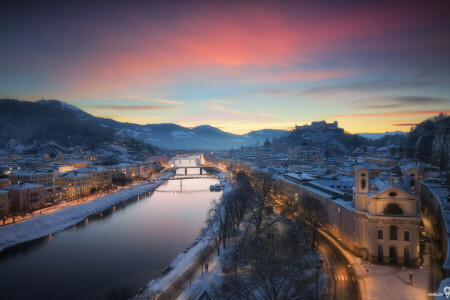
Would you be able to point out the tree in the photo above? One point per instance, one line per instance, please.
(261, 201)
(203, 257)
(314, 214)
(275, 266)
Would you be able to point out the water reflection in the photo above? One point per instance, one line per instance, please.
(123, 247)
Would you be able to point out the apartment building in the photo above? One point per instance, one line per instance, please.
(101, 177)
(75, 184)
(37, 177)
(25, 196)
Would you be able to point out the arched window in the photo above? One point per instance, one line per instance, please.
(412, 183)
(363, 183)
(393, 232)
(393, 209)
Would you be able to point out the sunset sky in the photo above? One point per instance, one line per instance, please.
(238, 65)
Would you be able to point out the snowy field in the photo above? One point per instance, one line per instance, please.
(45, 224)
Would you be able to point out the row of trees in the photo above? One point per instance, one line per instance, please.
(277, 256)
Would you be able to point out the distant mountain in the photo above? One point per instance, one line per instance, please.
(55, 121)
(27, 123)
(375, 136)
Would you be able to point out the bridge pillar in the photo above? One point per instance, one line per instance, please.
(185, 171)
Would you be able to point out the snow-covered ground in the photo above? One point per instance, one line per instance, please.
(384, 281)
(45, 224)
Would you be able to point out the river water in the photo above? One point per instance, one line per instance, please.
(123, 249)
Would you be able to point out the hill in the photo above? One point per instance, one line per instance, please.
(44, 121)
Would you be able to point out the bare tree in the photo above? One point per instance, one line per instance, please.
(276, 266)
(314, 214)
(203, 257)
(261, 202)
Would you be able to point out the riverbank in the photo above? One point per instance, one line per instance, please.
(187, 259)
(42, 225)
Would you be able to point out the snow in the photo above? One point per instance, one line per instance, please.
(179, 134)
(384, 281)
(45, 224)
(185, 259)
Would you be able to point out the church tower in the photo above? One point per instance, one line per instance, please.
(361, 180)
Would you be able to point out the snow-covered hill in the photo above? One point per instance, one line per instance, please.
(67, 125)
(375, 136)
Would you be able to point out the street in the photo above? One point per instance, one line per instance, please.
(343, 281)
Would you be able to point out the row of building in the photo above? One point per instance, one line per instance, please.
(371, 211)
(30, 190)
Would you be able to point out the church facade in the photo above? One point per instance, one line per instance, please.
(387, 218)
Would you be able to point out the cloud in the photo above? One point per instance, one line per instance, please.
(225, 109)
(142, 99)
(395, 114)
(135, 107)
(403, 101)
(420, 100)
(370, 85)
(381, 106)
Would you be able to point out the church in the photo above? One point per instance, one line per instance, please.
(387, 217)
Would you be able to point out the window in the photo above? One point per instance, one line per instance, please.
(363, 183)
(380, 234)
(393, 232)
(393, 209)
(406, 235)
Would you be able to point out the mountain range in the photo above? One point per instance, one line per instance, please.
(43, 121)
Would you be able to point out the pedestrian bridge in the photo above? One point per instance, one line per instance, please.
(201, 168)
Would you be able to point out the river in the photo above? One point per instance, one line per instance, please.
(122, 249)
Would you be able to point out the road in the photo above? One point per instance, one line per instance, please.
(344, 283)
(431, 258)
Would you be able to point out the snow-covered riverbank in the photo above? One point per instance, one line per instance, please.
(185, 259)
(45, 224)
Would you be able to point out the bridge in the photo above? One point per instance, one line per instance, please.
(191, 176)
(193, 167)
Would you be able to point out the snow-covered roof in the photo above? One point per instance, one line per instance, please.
(410, 166)
(358, 167)
(22, 186)
(31, 173)
(91, 169)
(72, 174)
(302, 176)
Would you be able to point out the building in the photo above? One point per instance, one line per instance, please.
(61, 168)
(101, 177)
(162, 160)
(4, 182)
(4, 203)
(25, 196)
(380, 224)
(37, 177)
(387, 218)
(75, 184)
(54, 194)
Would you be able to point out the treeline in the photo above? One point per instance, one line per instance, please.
(429, 141)
(275, 256)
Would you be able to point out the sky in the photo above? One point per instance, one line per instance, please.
(373, 66)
